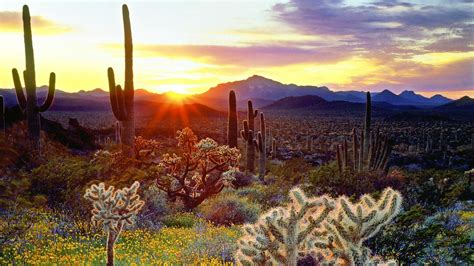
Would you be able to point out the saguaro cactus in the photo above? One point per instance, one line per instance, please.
(274, 151)
(261, 145)
(114, 209)
(28, 103)
(373, 152)
(2, 116)
(368, 117)
(232, 123)
(247, 135)
(122, 101)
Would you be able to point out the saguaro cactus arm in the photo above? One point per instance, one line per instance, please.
(116, 97)
(20, 95)
(50, 97)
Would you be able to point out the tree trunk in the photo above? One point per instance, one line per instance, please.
(110, 248)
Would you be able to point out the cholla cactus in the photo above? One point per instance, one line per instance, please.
(331, 230)
(352, 224)
(113, 209)
(281, 233)
(197, 172)
(146, 150)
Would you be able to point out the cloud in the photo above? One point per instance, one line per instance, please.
(12, 22)
(393, 34)
(244, 56)
(383, 25)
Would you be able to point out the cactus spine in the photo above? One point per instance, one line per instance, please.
(28, 103)
(2, 116)
(261, 145)
(114, 210)
(122, 100)
(232, 130)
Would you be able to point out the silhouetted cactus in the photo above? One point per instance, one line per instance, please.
(261, 145)
(247, 135)
(332, 230)
(118, 132)
(274, 151)
(2, 116)
(28, 103)
(251, 114)
(232, 130)
(122, 101)
(372, 154)
(114, 210)
(368, 116)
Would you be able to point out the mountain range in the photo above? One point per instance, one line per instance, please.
(262, 91)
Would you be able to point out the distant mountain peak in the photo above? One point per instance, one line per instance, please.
(387, 92)
(408, 93)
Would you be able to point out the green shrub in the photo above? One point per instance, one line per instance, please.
(229, 208)
(182, 219)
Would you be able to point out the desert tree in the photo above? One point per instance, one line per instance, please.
(199, 170)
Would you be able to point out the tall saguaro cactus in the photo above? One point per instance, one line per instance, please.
(122, 100)
(251, 114)
(28, 103)
(373, 151)
(247, 135)
(232, 123)
(368, 116)
(2, 116)
(261, 145)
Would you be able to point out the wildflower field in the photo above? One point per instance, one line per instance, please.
(53, 243)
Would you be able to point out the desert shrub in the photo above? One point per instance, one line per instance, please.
(63, 180)
(291, 172)
(181, 220)
(442, 238)
(327, 179)
(243, 179)
(220, 245)
(434, 188)
(229, 208)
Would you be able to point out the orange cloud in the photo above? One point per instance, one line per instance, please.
(12, 22)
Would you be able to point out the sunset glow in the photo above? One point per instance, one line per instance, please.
(189, 46)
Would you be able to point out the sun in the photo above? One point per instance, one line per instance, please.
(176, 97)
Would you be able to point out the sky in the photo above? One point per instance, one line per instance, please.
(190, 46)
